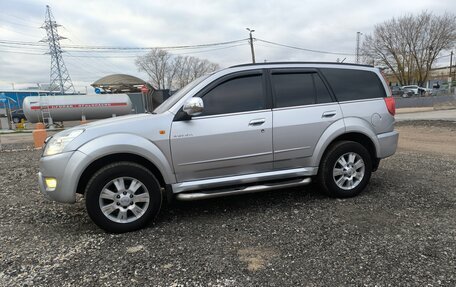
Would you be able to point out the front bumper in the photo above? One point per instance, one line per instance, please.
(66, 168)
(387, 144)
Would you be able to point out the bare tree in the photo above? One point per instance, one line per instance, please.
(156, 64)
(172, 72)
(409, 45)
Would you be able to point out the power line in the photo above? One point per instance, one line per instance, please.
(210, 50)
(303, 49)
(26, 48)
(86, 47)
(93, 70)
(135, 56)
(113, 56)
(21, 52)
(23, 43)
(121, 50)
(149, 48)
(92, 60)
(114, 53)
(444, 56)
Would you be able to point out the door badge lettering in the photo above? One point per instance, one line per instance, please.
(183, 135)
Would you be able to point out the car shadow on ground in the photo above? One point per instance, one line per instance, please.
(217, 210)
(240, 205)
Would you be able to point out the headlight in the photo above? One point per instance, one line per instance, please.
(58, 142)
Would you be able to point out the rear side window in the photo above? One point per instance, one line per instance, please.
(298, 89)
(235, 95)
(293, 89)
(349, 85)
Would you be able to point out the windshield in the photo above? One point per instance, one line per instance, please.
(171, 101)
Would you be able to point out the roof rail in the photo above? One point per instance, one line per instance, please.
(326, 63)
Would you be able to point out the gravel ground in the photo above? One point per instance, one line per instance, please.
(400, 232)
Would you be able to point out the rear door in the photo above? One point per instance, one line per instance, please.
(232, 137)
(303, 109)
(361, 95)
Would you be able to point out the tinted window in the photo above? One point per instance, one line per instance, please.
(351, 85)
(293, 89)
(236, 95)
(323, 95)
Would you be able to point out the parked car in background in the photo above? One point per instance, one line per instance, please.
(18, 115)
(414, 90)
(396, 91)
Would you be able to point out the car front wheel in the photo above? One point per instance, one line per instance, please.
(345, 169)
(123, 197)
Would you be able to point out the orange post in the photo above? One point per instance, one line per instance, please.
(39, 135)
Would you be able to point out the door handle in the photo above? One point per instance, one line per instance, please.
(328, 114)
(257, 122)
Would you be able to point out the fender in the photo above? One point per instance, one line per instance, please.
(338, 128)
(358, 125)
(129, 143)
(331, 133)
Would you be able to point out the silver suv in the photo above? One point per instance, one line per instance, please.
(244, 129)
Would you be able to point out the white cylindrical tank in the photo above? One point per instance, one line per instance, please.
(73, 108)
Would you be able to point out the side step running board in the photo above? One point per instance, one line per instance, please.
(250, 189)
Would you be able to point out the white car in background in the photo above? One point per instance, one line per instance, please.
(414, 90)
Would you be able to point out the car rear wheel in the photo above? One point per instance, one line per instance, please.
(123, 197)
(345, 169)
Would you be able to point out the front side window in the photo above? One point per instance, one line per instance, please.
(240, 94)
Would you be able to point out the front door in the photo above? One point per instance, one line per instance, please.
(233, 136)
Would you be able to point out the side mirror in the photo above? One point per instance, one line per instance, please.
(194, 106)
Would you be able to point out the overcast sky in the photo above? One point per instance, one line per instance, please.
(319, 25)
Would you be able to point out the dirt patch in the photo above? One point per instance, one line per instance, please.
(256, 258)
(413, 110)
(435, 137)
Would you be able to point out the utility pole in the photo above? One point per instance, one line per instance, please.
(59, 76)
(449, 77)
(251, 43)
(358, 40)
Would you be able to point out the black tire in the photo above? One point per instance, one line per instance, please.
(122, 170)
(325, 175)
(16, 120)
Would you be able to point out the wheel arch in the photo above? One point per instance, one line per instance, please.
(360, 138)
(355, 130)
(117, 157)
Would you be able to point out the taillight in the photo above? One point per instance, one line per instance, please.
(389, 100)
(390, 92)
(390, 105)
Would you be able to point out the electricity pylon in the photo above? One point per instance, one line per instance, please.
(59, 76)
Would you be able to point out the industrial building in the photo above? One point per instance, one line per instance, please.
(14, 98)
